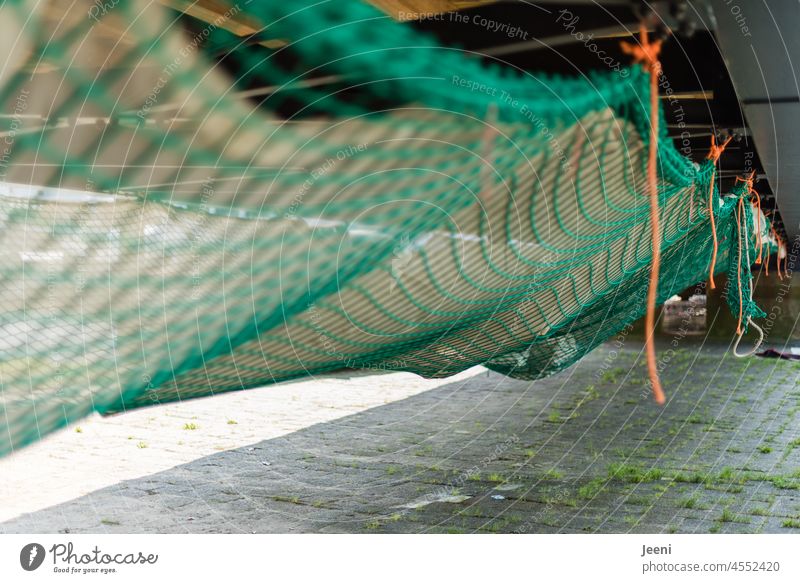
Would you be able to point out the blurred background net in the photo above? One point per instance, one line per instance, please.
(353, 196)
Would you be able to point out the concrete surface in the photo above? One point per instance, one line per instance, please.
(583, 451)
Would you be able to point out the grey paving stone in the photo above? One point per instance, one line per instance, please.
(583, 451)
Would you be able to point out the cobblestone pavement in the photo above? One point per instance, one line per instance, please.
(583, 451)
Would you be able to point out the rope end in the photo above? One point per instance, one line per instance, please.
(658, 393)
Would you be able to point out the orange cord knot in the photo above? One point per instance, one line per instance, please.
(645, 51)
(713, 154)
(748, 181)
(716, 151)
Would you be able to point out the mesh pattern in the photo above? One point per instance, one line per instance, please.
(163, 238)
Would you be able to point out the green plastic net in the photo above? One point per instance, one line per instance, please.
(170, 232)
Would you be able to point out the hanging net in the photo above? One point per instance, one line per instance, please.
(353, 196)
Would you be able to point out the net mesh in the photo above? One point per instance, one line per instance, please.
(168, 232)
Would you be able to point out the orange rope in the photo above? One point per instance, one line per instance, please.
(713, 154)
(739, 217)
(750, 190)
(779, 243)
(785, 258)
(759, 235)
(646, 52)
(774, 236)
